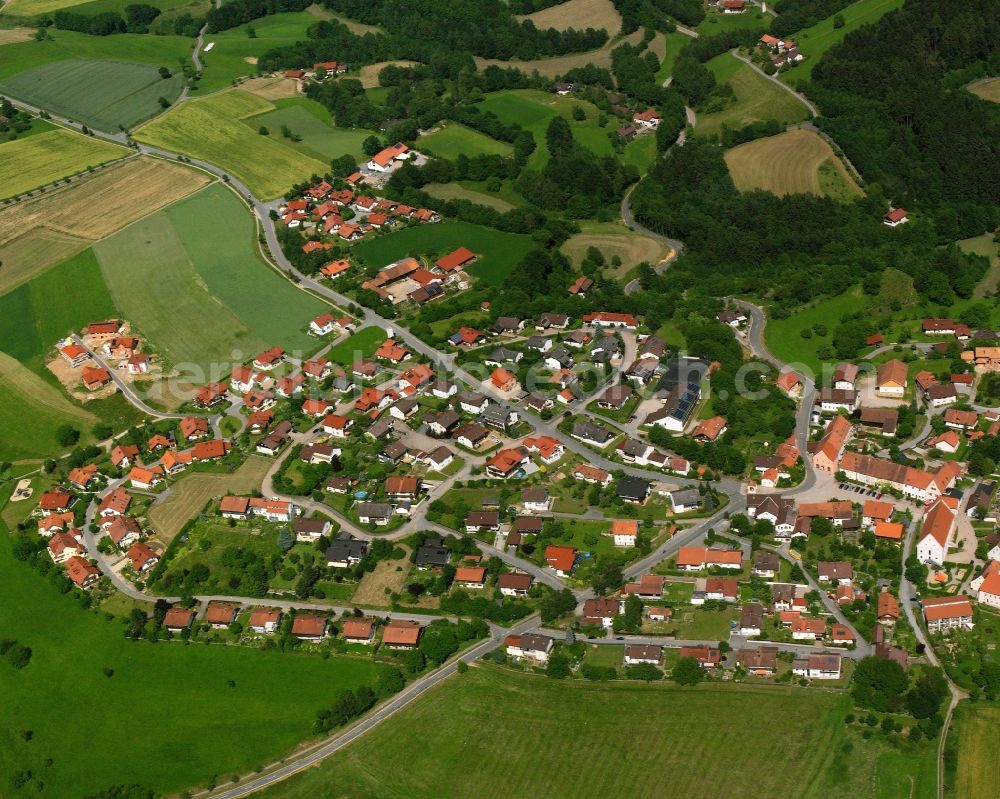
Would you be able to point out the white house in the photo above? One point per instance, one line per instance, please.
(936, 531)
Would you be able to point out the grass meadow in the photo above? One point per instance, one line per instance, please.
(167, 51)
(235, 53)
(30, 410)
(451, 140)
(757, 99)
(498, 252)
(614, 239)
(361, 345)
(189, 280)
(311, 121)
(101, 94)
(794, 162)
(170, 715)
(973, 736)
(455, 191)
(492, 727)
(816, 40)
(215, 129)
(26, 164)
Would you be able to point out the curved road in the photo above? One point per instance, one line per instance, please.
(774, 79)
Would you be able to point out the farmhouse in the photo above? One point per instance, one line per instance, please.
(455, 260)
(896, 217)
(400, 634)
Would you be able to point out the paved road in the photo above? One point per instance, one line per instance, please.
(907, 596)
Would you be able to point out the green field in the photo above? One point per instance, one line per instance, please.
(492, 728)
(59, 301)
(320, 139)
(498, 252)
(188, 278)
(168, 51)
(101, 94)
(674, 42)
(973, 738)
(451, 140)
(28, 163)
(816, 40)
(227, 59)
(783, 336)
(533, 110)
(170, 707)
(30, 410)
(757, 99)
(212, 128)
(716, 22)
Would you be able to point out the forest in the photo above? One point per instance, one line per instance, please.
(891, 96)
(792, 248)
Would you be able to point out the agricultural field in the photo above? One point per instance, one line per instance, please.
(28, 163)
(794, 162)
(454, 191)
(213, 129)
(495, 727)
(498, 253)
(358, 28)
(48, 228)
(561, 64)
(37, 314)
(30, 410)
(451, 140)
(199, 699)
(533, 110)
(973, 739)
(614, 239)
(757, 99)
(579, 14)
(311, 121)
(36, 7)
(816, 40)
(133, 48)
(101, 94)
(988, 90)
(368, 75)
(189, 280)
(234, 54)
(189, 494)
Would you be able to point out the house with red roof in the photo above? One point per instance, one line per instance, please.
(647, 119)
(82, 572)
(560, 559)
(95, 377)
(896, 217)
(384, 160)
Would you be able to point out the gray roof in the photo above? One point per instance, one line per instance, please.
(346, 549)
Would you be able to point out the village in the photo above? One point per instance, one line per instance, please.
(519, 467)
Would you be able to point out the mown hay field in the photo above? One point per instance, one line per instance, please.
(579, 14)
(189, 494)
(48, 228)
(794, 162)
